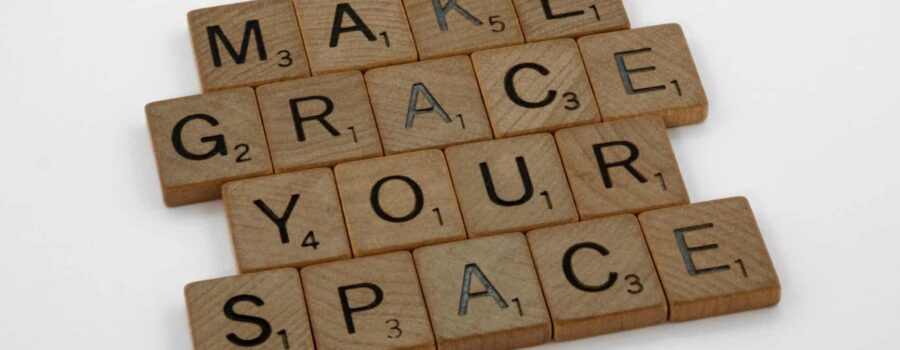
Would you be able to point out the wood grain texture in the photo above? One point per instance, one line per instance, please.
(304, 204)
(641, 172)
(570, 18)
(646, 71)
(517, 206)
(221, 140)
(278, 55)
(274, 297)
(560, 98)
(398, 320)
(711, 259)
(402, 224)
(469, 26)
(355, 49)
(455, 116)
(600, 293)
(345, 134)
(514, 317)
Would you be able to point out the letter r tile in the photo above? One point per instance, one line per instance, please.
(711, 259)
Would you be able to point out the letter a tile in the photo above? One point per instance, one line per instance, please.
(286, 220)
(598, 277)
(511, 185)
(204, 141)
(483, 294)
(711, 259)
(428, 104)
(622, 167)
(355, 34)
(260, 311)
(646, 71)
(535, 87)
(368, 303)
(247, 44)
(399, 202)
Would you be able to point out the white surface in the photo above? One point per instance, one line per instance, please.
(804, 122)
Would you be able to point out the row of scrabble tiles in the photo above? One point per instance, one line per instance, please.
(502, 291)
(414, 199)
(204, 141)
(263, 41)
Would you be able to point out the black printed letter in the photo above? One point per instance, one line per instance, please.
(299, 120)
(511, 88)
(604, 166)
(281, 222)
(417, 192)
(492, 191)
(570, 273)
(219, 140)
(550, 15)
(215, 34)
(264, 326)
(358, 25)
(345, 302)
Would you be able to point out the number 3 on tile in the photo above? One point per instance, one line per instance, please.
(396, 332)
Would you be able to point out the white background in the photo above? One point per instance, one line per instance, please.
(803, 121)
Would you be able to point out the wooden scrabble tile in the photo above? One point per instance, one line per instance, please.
(247, 44)
(711, 259)
(459, 27)
(287, 220)
(546, 19)
(621, 167)
(646, 71)
(257, 311)
(355, 34)
(483, 294)
(319, 121)
(597, 277)
(368, 303)
(512, 184)
(399, 202)
(203, 141)
(428, 104)
(535, 87)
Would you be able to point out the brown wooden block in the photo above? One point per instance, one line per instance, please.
(399, 202)
(247, 44)
(445, 28)
(551, 19)
(483, 293)
(319, 121)
(535, 87)
(355, 34)
(203, 141)
(257, 311)
(368, 303)
(711, 259)
(287, 220)
(429, 104)
(646, 71)
(510, 185)
(621, 167)
(597, 277)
